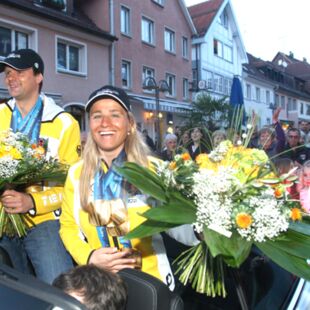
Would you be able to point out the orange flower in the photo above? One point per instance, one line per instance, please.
(33, 146)
(172, 165)
(278, 192)
(186, 156)
(243, 220)
(296, 214)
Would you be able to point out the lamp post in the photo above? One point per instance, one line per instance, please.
(162, 86)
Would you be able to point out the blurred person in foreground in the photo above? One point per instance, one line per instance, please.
(100, 206)
(32, 113)
(96, 288)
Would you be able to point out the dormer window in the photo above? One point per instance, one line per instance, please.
(223, 19)
(53, 4)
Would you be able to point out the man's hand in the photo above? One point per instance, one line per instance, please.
(16, 202)
(275, 116)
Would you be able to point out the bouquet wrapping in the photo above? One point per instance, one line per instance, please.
(24, 166)
(233, 199)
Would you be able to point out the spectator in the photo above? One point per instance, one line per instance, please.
(149, 141)
(304, 186)
(217, 137)
(304, 127)
(37, 116)
(170, 143)
(96, 288)
(198, 144)
(293, 149)
(272, 141)
(185, 139)
(93, 186)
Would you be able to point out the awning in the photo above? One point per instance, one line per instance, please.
(164, 105)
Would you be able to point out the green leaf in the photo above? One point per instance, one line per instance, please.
(234, 249)
(172, 213)
(149, 228)
(294, 243)
(144, 179)
(301, 227)
(291, 263)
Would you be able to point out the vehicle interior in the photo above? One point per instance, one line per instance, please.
(25, 292)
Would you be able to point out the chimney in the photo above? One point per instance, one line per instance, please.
(291, 55)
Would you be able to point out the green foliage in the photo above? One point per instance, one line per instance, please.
(208, 112)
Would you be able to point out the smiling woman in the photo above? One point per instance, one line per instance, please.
(100, 203)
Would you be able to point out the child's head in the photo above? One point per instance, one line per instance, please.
(306, 173)
(283, 165)
(94, 287)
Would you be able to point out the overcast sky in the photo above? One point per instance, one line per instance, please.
(270, 26)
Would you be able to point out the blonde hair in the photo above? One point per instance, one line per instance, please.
(135, 148)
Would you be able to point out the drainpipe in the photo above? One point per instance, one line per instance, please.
(112, 48)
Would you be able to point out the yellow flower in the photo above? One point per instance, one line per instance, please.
(296, 214)
(203, 160)
(243, 220)
(172, 165)
(15, 153)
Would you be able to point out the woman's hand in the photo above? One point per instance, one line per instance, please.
(111, 259)
(16, 202)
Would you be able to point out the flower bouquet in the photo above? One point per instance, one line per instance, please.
(233, 199)
(23, 164)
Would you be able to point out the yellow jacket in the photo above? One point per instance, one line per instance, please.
(81, 238)
(63, 135)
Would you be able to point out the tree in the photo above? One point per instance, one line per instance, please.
(208, 112)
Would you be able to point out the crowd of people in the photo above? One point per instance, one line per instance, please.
(83, 223)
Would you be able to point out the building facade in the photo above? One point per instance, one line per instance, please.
(75, 51)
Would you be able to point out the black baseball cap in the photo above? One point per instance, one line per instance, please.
(109, 91)
(23, 59)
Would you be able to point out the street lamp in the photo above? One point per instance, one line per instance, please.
(162, 86)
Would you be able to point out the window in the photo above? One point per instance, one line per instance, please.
(170, 78)
(223, 19)
(283, 102)
(227, 53)
(248, 91)
(15, 36)
(185, 89)
(126, 74)
(147, 72)
(147, 32)
(301, 108)
(257, 94)
(71, 56)
(218, 48)
(222, 50)
(169, 41)
(267, 97)
(308, 109)
(160, 2)
(54, 4)
(125, 20)
(291, 104)
(218, 83)
(209, 80)
(276, 99)
(184, 47)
